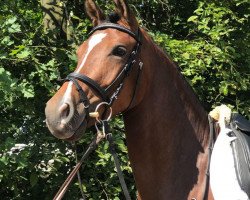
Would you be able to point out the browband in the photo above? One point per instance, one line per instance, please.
(118, 27)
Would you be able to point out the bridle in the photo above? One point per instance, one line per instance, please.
(103, 93)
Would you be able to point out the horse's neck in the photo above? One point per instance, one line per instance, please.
(167, 134)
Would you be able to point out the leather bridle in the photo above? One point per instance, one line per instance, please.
(103, 93)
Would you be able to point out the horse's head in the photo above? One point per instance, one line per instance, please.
(108, 66)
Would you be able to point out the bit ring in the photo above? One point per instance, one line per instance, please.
(110, 113)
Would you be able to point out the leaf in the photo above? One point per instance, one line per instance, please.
(14, 28)
(7, 41)
(17, 50)
(192, 18)
(64, 159)
(33, 179)
(11, 20)
(186, 55)
(23, 54)
(4, 160)
(28, 93)
(224, 88)
(27, 90)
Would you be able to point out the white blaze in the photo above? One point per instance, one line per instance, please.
(94, 40)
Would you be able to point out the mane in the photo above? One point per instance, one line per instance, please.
(113, 17)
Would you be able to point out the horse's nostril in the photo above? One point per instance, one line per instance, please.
(64, 110)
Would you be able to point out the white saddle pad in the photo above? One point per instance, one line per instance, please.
(223, 180)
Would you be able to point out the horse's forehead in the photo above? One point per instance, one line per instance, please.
(105, 38)
(91, 44)
(96, 39)
(110, 35)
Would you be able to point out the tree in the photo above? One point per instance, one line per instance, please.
(56, 18)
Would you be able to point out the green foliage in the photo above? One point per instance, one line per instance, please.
(213, 56)
(208, 39)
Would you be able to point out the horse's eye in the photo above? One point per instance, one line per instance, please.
(119, 51)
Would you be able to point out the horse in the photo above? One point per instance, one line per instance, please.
(167, 129)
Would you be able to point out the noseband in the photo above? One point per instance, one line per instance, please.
(103, 93)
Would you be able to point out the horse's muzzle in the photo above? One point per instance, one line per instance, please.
(65, 120)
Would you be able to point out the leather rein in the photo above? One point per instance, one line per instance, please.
(211, 141)
(102, 126)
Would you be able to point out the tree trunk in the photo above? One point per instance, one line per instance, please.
(56, 19)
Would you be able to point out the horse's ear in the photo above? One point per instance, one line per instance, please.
(94, 12)
(124, 11)
(122, 8)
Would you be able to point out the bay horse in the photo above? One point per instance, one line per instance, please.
(167, 129)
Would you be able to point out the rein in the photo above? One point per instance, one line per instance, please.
(92, 146)
(105, 133)
(210, 149)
